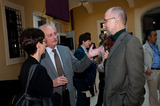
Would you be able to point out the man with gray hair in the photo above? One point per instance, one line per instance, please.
(61, 65)
(124, 79)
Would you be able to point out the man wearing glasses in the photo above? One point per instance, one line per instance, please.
(124, 80)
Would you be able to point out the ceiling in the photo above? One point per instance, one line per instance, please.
(87, 0)
(88, 4)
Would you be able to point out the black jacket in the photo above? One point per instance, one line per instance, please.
(40, 84)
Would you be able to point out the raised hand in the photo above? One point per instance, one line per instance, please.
(105, 55)
(94, 52)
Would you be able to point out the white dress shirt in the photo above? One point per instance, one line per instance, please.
(51, 55)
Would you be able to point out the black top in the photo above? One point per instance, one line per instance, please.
(117, 34)
(40, 84)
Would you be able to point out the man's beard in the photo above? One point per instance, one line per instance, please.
(108, 32)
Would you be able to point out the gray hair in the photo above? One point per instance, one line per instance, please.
(119, 13)
(45, 25)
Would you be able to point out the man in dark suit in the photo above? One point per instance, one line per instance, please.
(84, 82)
(69, 64)
(124, 79)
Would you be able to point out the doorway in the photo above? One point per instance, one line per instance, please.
(151, 20)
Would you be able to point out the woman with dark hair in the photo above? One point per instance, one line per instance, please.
(32, 41)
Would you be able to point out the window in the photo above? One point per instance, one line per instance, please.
(39, 19)
(58, 26)
(13, 24)
(100, 27)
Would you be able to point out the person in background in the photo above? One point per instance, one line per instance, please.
(62, 73)
(102, 38)
(100, 69)
(94, 46)
(101, 43)
(33, 42)
(84, 82)
(152, 66)
(108, 43)
(124, 79)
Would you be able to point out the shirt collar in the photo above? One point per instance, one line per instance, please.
(152, 44)
(49, 50)
(116, 35)
(84, 48)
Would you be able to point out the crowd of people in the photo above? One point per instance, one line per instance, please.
(63, 78)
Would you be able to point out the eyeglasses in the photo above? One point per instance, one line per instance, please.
(106, 20)
(45, 41)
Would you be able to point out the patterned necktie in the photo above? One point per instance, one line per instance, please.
(58, 63)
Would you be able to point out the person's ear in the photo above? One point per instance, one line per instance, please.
(83, 42)
(149, 37)
(117, 21)
(38, 45)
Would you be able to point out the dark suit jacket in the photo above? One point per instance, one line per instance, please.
(124, 79)
(70, 65)
(85, 80)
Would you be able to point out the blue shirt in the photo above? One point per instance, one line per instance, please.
(156, 55)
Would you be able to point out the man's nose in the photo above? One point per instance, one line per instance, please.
(104, 25)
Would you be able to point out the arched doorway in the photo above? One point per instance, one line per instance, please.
(151, 20)
(139, 32)
(139, 13)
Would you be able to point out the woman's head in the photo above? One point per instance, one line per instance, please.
(30, 38)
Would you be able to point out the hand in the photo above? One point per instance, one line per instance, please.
(94, 52)
(60, 81)
(95, 61)
(105, 56)
(100, 67)
(148, 72)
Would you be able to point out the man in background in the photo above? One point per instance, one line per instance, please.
(152, 66)
(108, 43)
(102, 38)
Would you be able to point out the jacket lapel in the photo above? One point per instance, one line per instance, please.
(117, 43)
(48, 61)
(84, 53)
(148, 48)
